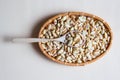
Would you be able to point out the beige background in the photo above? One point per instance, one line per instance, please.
(19, 18)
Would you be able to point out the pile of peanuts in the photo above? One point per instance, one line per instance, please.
(97, 38)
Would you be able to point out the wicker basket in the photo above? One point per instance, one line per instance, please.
(75, 13)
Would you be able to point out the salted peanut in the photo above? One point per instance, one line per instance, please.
(59, 57)
(62, 59)
(101, 24)
(69, 49)
(80, 24)
(69, 59)
(70, 42)
(72, 34)
(90, 45)
(77, 36)
(50, 26)
(105, 34)
(64, 18)
(105, 41)
(93, 56)
(72, 23)
(58, 24)
(87, 26)
(55, 21)
(52, 52)
(61, 50)
(92, 22)
(88, 55)
(50, 34)
(84, 59)
(82, 18)
(93, 33)
(89, 19)
(45, 31)
(57, 43)
(76, 27)
(54, 33)
(92, 39)
(47, 35)
(44, 46)
(76, 41)
(96, 52)
(100, 36)
(73, 58)
(49, 45)
(76, 52)
(67, 23)
(64, 31)
(73, 17)
(108, 39)
(58, 31)
(72, 28)
(79, 60)
(84, 32)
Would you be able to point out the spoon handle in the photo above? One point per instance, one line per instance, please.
(31, 40)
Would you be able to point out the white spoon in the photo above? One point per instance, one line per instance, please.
(33, 40)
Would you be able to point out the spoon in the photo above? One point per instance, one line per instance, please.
(59, 39)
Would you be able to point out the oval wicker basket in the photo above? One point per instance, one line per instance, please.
(75, 13)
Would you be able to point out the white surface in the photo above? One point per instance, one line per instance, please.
(23, 62)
